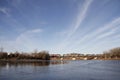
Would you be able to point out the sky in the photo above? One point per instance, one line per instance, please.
(60, 26)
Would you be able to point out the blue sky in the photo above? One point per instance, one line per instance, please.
(60, 26)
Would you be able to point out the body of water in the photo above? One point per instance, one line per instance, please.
(61, 70)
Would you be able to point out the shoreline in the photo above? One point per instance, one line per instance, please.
(50, 60)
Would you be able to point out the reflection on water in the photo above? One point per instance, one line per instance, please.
(60, 70)
(30, 63)
(58, 62)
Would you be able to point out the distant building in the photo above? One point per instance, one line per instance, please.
(95, 57)
(61, 58)
(85, 58)
(73, 58)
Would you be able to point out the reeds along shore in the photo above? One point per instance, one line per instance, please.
(113, 54)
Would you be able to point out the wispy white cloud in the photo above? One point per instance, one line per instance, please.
(27, 35)
(80, 18)
(35, 31)
(108, 33)
(100, 31)
(117, 36)
(26, 40)
(105, 35)
(5, 11)
(100, 36)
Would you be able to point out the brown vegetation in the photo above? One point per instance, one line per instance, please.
(109, 55)
(43, 55)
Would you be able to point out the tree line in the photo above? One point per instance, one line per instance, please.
(42, 55)
(110, 54)
(113, 53)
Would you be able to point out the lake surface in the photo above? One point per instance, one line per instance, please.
(61, 70)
